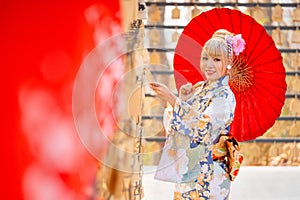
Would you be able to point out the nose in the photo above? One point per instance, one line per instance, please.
(209, 63)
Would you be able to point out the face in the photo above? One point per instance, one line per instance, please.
(212, 66)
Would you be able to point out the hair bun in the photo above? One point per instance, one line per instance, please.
(221, 33)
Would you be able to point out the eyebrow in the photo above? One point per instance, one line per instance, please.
(206, 54)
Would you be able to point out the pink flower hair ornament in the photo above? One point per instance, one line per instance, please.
(237, 43)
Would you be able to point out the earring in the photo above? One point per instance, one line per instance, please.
(229, 67)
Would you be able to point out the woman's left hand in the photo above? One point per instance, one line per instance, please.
(186, 91)
(163, 92)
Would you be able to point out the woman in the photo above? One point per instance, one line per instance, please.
(205, 111)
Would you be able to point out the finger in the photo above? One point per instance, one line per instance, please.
(183, 91)
(188, 86)
(154, 84)
(185, 87)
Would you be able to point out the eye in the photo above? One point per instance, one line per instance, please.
(217, 59)
(204, 58)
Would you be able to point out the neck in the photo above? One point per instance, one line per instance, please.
(212, 81)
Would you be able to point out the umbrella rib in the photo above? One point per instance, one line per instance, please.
(232, 25)
(250, 35)
(272, 119)
(219, 17)
(261, 108)
(265, 103)
(256, 118)
(247, 111)
(231, 21)
(237, 112)
(212, 24)
(270, 93)
(199, 25)
(261, 53)
(256, 44)
(192, 32)
(267, 62)
(240, 16)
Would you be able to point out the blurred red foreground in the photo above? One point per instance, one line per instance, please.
(42, 46)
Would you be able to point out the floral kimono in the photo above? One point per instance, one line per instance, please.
(203, 118)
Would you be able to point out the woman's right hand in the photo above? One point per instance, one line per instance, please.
(186, 91)
(163, 92)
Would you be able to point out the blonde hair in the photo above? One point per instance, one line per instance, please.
(217, 46)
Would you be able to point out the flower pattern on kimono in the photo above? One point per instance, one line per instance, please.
(194, 195)
(204, 168)
(202, 117)
(180, 163)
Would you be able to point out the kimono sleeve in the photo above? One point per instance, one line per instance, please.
(201, 126)
(187, 119)
(221, 112)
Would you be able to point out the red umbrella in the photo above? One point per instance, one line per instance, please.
(258, 74)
